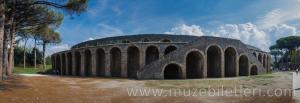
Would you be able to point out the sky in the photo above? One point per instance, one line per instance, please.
(255, 22)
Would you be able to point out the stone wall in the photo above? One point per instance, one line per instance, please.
(197, 57)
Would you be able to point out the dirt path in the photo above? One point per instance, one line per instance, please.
(55, 89)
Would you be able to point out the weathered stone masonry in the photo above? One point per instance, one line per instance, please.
(162, 56)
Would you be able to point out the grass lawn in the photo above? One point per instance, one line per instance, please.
(245, 81)
(29, 70)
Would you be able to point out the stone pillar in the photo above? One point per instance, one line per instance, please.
(82, 72)
(222, 64)
(94, 62)
(54, 62)
(183, 69)
(66, 64)
(142, 58)
(237, 65)
(269, 63)
(142, 61)
(61, 64)
(73, 63)
(107, 64)
(204, 66)
(124, 64)
(160, 53)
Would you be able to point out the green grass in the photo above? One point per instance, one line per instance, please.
(192, 83)
(29, 70)
(245, 81)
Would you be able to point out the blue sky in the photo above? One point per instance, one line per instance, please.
(262, 21)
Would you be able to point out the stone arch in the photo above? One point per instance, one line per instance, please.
(230, 62)
(213, 57)
(145, 40)
(269, 63)
(58, 63)
(165, 40)
(254, 70)
(194, 64)
(172, 71)
(77, 63)
(63, 69)
(170, 49)
(260, 57)
(254, 54)
(115, 62)
(100, 62)
(133, 61)
(243, 65)
(264, 60)
(152, 54)
(87, 63)
(69, 55)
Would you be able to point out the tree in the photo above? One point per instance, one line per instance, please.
(24, 36)
(2, 19)
(289, 44)
(49, 36)
(15, 15)
(287, 47)
(275, 51)
(47, 18)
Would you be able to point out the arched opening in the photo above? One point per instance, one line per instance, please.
(100, 62)
(145, 40)
(58, 64)
(115, 60)
(169, 49)
(194, 65)
(268, 63)
(152, 54)
(243, 65)
(87, 63)
(172, 71)
(230, 62)
(63, 64)
(260, 58)
(254, 70)
(214, 61)
(254, 54)
(165, 40)
(77, 63)
(133, 61)
(69, 55)
(264, 61)
(125, 41)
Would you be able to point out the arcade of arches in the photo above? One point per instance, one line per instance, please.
(116, 62)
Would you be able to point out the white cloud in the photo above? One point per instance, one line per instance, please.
(109, 30)
(57, 48)
(100, 6)
(281, 15)
(90, 38)
(186, 30)
(248, 33)
(279, 31)
(117, 10)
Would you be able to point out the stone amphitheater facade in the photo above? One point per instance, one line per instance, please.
(162, 56)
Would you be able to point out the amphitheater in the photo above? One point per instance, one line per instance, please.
(162, 56)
